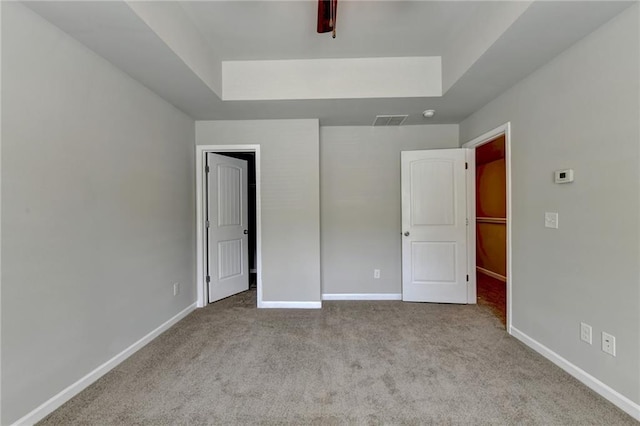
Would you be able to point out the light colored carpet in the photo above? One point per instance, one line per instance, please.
(349, 363)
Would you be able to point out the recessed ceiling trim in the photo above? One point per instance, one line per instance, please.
(158, 59)
(347, 78)
(170, 22)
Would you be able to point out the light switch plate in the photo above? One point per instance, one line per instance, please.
(586, 333)
(551, 220)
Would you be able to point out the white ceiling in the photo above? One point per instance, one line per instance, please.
(239, 30)
(492, 44)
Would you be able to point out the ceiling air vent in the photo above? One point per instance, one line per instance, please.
(389, 120)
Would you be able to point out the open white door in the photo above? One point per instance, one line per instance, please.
(434, 226)
(227, 226)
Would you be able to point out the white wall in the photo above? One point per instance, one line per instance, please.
(360, 202)
(97, 211)
(290, 200)
(580, 111)
(332, 78)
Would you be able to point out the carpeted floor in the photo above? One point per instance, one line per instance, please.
(349, 363)
(493, 294)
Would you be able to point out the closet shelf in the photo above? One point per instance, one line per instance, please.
(491, 219)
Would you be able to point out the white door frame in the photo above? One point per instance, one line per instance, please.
(201, 150)
(505, 130)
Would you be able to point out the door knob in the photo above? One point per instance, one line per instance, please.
(406, 234)
(246, 231)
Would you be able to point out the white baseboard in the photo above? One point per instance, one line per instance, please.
(613, 396)
(290, 305)
(72, 390)
(362, 296)
(491, 274)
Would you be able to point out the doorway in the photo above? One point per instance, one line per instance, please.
(251, 154)
(491, 227)
(490, 221)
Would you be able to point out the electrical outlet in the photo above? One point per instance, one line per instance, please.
(609, 344)
(585, 333)
(376, 274)
(176, 289)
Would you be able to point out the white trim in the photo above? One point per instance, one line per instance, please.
(200, 229)
(72, 390)
(608, 393)
(505, 130)
(472, 285)
(491, 274)
(362, 296)
(0, 217)
(290, 305)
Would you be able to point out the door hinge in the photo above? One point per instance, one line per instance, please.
(467, 219)
(466, 165)
(206, 169)
(467, 278)
(208, 279)
(207, 223)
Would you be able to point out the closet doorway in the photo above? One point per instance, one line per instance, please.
(490, 226)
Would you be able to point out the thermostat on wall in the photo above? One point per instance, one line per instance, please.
(564, 176)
